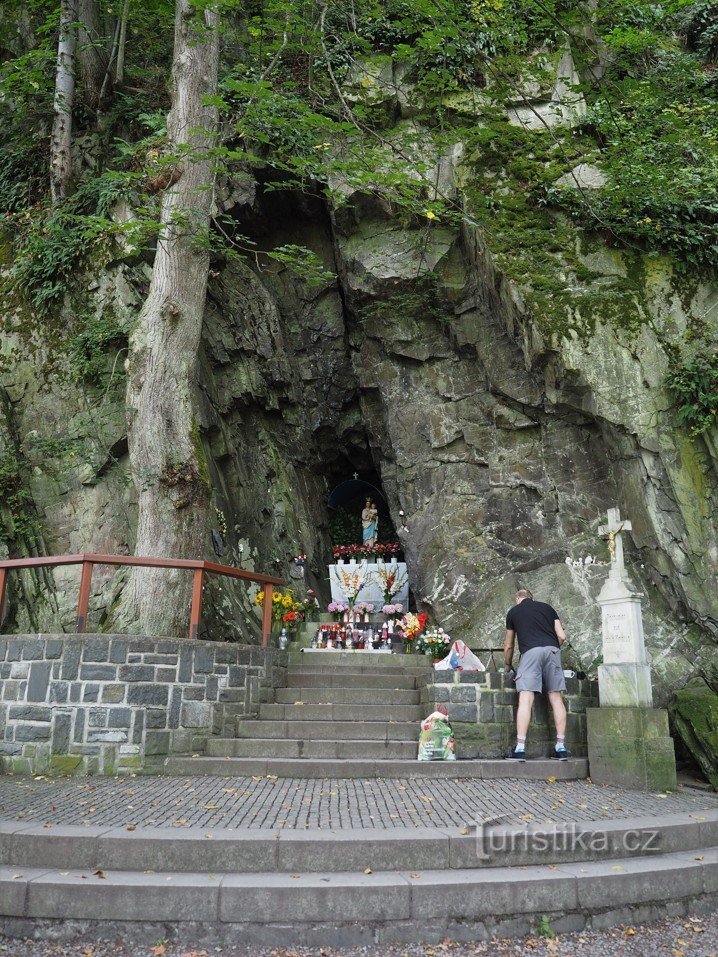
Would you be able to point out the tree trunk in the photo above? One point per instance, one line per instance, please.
(166, 456)
(120, 73)
(93, 51)
(61, 144)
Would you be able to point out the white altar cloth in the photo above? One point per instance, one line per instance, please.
(372, 591)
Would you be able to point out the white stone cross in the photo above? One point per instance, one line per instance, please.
(356, 476)
(613, 532)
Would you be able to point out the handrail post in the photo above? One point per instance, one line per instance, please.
(3, 583)
(83, 600)
(195, 616)
(267, 615)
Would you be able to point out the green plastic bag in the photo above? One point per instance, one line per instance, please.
(436, 741)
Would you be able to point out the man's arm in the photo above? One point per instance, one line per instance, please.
(509, 646)
(560, 633)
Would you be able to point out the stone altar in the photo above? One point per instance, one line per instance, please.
(372, 590)
(628, 739)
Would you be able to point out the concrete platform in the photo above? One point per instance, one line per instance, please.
(358, 759)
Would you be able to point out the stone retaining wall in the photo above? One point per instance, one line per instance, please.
(482, 708)
(117, 703)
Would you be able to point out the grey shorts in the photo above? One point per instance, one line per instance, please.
(540, 669)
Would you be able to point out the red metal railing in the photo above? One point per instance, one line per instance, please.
(200, 569)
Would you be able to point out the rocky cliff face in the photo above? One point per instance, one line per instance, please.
(421, 363)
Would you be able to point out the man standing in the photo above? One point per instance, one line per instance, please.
(540, 636)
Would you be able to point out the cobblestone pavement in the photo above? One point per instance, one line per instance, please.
(269, 802)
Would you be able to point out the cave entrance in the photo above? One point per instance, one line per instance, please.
(345, 504)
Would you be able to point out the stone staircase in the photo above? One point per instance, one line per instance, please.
(347, 886)
(347, 714)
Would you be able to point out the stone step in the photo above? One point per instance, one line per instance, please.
(329, 730)
(352, 907)
(309, 851)
(334, 679)
(270, 748)
(359, 662)
(355, 696)
(365, 759)
(341, 712)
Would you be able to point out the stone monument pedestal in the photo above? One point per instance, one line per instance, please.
(628, 739)
(631, 747)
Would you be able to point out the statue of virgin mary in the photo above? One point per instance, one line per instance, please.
(370, 524)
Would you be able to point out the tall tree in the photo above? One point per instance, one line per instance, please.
(61, 143)
(168, 464)
(93, 51)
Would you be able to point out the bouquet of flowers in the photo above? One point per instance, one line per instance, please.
(351, 583)
(337, 608)
(349, 551)
(283, 602)
(390, 581)
(364, 608)
(434, 642)
(392, 609)
(413, 625)
(310, 603)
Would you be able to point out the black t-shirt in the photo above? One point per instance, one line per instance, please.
(533, 623)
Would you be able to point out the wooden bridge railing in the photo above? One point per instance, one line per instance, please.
(200, 569)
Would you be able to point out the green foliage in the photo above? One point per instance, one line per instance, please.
(693, 383)
(90, 344)
(19, 522)
(304, 263)
(699, 25)
(52, 243)
(544, 928)
(345, 526)
(659, 139)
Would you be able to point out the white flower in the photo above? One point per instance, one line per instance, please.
(588, 560)
(568, 561)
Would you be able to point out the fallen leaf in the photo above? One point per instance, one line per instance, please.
(551, 780)
(99, 873)
(367, 870)
(158, 950)
(131, 827)
(414, 875)
(700, 857)
(630, 932)
(616, 867)
(464, 830)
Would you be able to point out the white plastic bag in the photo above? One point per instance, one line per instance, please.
(460, 658)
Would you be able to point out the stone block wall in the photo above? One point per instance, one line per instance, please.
(482, 710)
(117, 703)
